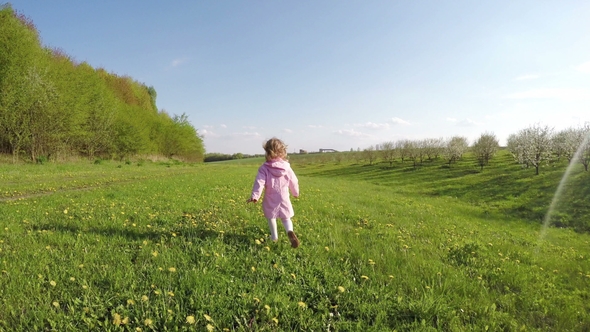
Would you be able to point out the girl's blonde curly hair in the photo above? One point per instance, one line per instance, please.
(275, 148)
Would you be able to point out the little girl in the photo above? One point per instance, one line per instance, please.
(276, 178)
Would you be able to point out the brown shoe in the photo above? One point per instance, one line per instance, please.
(293, 238)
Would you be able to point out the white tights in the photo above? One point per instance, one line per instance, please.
(272, 224)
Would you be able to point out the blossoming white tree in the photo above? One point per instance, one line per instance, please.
(536, 145)
(454, 148)
(484, 148)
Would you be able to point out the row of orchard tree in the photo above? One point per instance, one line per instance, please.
(53, 107)
(416, 151)
(530, 147)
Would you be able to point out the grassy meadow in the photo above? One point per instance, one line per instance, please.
(167, 246)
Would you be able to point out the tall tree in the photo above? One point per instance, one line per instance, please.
(584, 147)
(388, 152)
(485, 148)
(454, 148)
(537, 145)
(370, 154)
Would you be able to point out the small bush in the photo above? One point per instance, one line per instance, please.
(42, 160)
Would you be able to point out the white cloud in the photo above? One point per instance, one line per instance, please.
(245, 135)
(352, 133)
(288, 131)
(527, 77)
(208, 133)
(584, 68)
(468, 123)
(399, 121)
(568, 94)
(249, 127)
(315, 126)
(223, 126)
(372, 125)
(464, 123)
(178, 62)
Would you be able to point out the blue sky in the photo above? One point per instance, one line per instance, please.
(338, 74)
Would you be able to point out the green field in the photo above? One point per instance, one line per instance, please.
(168, 246)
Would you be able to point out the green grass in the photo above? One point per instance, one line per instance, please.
(102, 247)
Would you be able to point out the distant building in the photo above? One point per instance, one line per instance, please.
(301, 151)
(327, 150)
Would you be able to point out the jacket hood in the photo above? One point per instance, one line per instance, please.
(277, 167)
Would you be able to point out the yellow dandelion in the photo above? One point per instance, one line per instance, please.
(253, 269)
(327, 248)
(302, 304)
(117, 319)
(155, 253)
(125, 321)
(148, 322)
(172, 269)
(144, 298)
(267, 248)
(257, 300)
(364, 277)
(170, 294)
(130, 302)
(40, 276)
(257, 241)
(170, 312)
(66, 211)
(81, 266)
(190, 319)
(210, 327)
(84, 287)
(293, 275)
(55, 304)
(208, 318)
(138, 329)
(72, 279)
(157, 292)
(341, 289)
(275, 320)
(52, 283)
(391, 276)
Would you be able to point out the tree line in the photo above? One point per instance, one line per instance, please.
(53, 107)
(534, 146)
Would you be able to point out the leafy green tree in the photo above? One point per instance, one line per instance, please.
(23, 92)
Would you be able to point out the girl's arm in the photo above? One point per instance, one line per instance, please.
(294, 184)
(258, 184)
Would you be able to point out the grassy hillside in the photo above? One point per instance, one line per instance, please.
(166, 246)
(503, 189)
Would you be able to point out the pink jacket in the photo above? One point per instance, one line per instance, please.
(276, 178)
